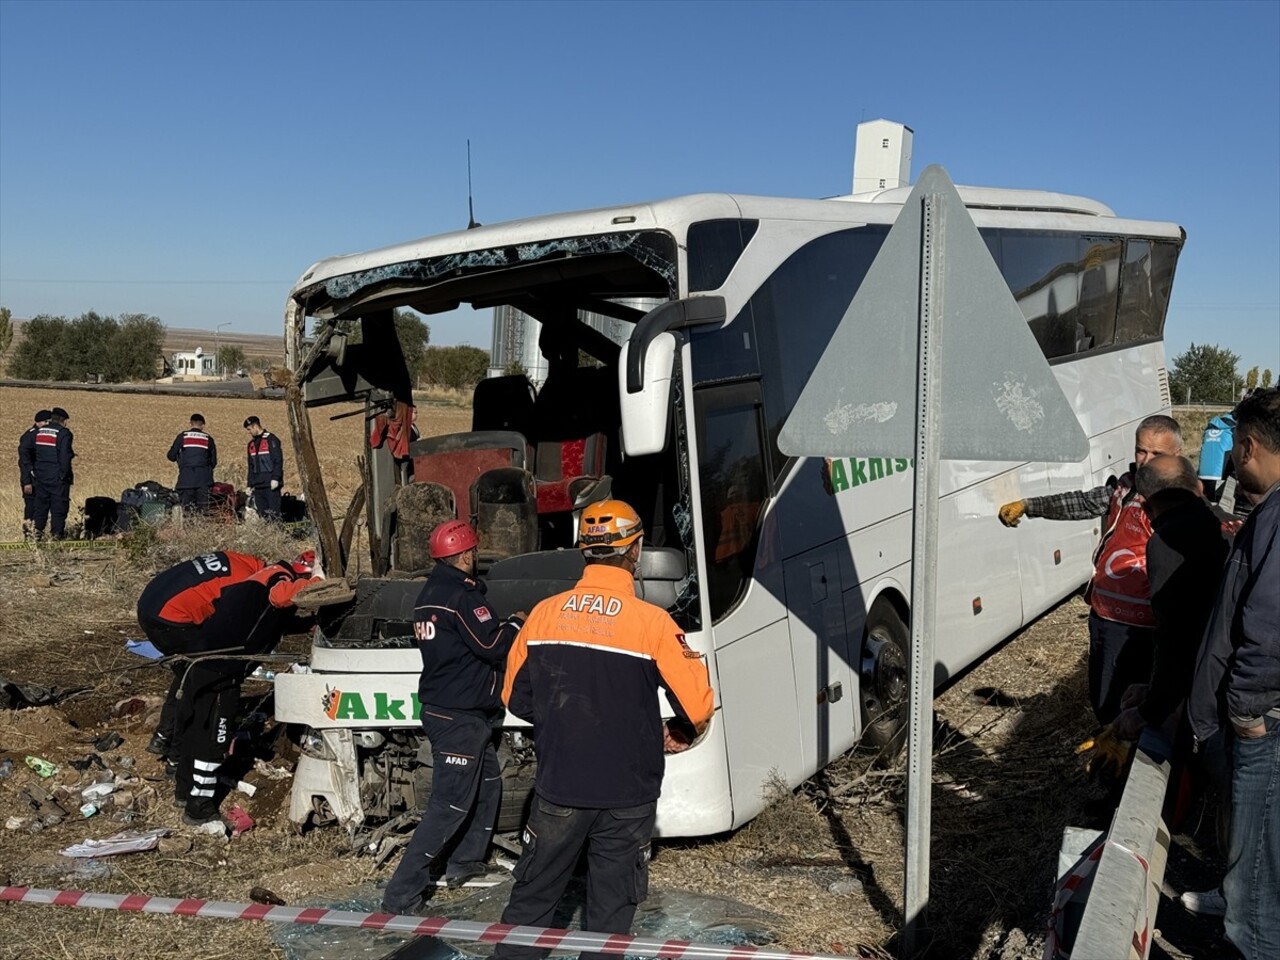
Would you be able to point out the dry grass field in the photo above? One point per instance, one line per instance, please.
(121, 440)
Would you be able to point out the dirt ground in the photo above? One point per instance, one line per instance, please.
(825, 861)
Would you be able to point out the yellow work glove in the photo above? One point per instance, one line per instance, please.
(1011, 513)
(1105, 756)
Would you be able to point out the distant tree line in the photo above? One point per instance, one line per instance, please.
(1207, 374)
(55, 348)
(457, 368)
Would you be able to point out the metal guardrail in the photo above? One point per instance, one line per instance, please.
(1118, 878)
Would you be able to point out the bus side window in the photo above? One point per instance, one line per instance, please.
(733, 484)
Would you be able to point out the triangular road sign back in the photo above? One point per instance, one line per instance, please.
(999, 399)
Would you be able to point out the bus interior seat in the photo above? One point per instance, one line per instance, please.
(506, 513)
(503, 403)
(457, 460)
(577, 411)
(520, 582)
(418, 508)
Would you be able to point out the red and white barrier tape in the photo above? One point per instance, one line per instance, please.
(573, 941)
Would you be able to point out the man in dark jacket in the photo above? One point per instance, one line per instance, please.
(60, 416)
(463, 644)
(1184, 564)
(1237, 686)
(27, 467)
(585, 671)
(266, 469)
(196, 455)
(192, 612)
(51, 478)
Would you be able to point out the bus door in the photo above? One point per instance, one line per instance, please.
(820, 653)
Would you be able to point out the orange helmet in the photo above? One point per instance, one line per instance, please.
(608, 527)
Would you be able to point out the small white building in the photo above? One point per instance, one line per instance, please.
(881, 156)
(193, 363)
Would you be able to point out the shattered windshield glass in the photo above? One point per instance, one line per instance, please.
(651, 249)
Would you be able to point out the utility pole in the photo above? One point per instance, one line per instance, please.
(217, 356)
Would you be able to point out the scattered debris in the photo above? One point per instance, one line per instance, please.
(263, 895)
(127, 841)
(16, 696)
(6, 769)
(108, 742)
(96, 791)
(175, 846)
(16, 823)
(270, 772)
(88, 810)
(239, 820)
(42, 766)
(132, 706)
(143, 648)
(89, 760)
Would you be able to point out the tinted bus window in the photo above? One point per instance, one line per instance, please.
(1043, 271)
(1145, 284)
(734, 487)
(786, 325)
(714, 247)
(1099, 292)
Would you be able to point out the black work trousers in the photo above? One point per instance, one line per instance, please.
(266, 502)
(617, 845)
(201, 722)
(194, 499)
(50, 503)
(466, 790)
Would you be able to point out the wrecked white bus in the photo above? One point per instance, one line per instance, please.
(791, 577)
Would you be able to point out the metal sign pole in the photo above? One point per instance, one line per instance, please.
(924, 580)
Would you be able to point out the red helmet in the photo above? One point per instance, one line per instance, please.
(304, 563)
(452, 538)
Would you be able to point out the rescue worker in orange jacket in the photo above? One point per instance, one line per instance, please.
(1121, 622)
(585, 670)
(225, 603)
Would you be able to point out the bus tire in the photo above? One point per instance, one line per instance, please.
(884, 680)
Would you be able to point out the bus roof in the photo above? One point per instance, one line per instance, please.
(1026, 209)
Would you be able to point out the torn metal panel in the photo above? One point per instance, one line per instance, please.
(312, 478)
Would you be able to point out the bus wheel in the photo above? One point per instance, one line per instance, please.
(884, 676)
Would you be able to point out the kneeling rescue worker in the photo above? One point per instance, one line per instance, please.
(585, 671)
(225, 602)
(463, 645)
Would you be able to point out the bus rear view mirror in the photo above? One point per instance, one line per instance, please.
(645, 413)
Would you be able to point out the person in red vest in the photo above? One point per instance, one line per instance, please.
(1121, 622)
(221, 602)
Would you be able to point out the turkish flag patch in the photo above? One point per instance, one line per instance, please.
(483, 614)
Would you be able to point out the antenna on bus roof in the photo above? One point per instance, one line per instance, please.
(471, 213)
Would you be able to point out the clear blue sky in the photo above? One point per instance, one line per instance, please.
(190, 160)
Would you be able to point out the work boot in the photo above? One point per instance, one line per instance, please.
(159, 744)
(171, 769)
(200, 810)
(468, 872)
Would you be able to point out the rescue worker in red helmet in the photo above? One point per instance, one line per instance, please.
(463, 645)
(585, 671)
(223, 601)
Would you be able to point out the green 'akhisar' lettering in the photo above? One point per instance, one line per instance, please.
(351, 706)
(847, 472)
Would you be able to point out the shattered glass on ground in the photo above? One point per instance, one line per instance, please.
(666, 914)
